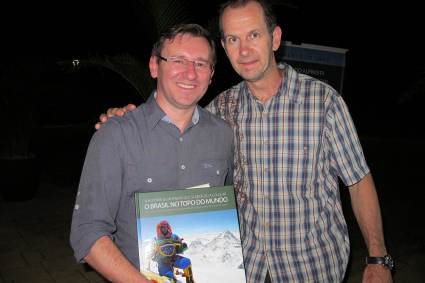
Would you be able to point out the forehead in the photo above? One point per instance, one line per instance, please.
(186, 45)
(248, 18)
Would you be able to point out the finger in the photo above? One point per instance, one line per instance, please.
(131, 107)
(103, 118)
(120, 112)
(97, 126)
(112, 112)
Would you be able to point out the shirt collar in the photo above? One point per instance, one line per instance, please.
(289, 86)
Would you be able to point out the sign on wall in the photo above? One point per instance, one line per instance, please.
(321, 62)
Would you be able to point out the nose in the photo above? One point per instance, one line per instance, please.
(245, 48)
(190, 71)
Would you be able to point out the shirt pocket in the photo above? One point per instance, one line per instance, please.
(214, 170)
(146, 178)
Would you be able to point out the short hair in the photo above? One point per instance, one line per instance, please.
(182, 29)
(269, 14)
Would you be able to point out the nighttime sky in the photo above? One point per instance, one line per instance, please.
(383, 40)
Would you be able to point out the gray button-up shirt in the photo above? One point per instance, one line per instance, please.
(142, 153)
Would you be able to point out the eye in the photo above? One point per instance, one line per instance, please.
(255, 35)
(200, 64)
(233, 39)
(178, 61)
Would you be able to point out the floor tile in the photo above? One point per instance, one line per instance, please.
(13, 248)
(33, 256)
(29, 271)
(12, 261)
(60, 265)
(55, 249)
(72, 276)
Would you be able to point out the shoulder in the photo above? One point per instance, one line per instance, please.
(301, 87)
(227, 96)
(127, 120)
(230, 94)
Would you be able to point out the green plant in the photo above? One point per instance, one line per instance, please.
(23, 83)
(129, 67)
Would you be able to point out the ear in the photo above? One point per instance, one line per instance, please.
(224, 46)
(153, 66)
(277, 36)
(212, 73)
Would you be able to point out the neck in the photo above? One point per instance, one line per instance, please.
(180, 117)
(265, 88)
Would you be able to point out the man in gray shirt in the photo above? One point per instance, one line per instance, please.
(168, 143)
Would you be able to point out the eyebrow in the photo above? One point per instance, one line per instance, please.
(184, 57)
(250, 32)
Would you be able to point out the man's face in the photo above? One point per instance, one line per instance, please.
(164, 229)
(181, 88)
(247, 41)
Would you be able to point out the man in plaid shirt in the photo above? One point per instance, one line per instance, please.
(293, 138)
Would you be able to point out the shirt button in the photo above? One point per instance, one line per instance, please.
(77, 206)
(267, 197)
(169, 121)
(218, 172)
(266, 142)
(305, 148)
(265, 115)
(149, 180)
(181, 139)
(267, 224)
(183, 167)
(266, 170)
(268, 250)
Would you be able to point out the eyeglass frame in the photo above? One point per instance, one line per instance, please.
(188, 61)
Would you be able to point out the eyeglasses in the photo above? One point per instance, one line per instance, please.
(180, 63)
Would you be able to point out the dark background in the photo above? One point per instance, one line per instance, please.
(384, 42)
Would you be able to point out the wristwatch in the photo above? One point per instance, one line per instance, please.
(386, 261)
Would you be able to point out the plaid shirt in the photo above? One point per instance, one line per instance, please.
(289, 154)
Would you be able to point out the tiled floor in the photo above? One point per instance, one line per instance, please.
(34, 239)
(34, 243)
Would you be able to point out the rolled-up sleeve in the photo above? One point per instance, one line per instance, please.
(99, 191)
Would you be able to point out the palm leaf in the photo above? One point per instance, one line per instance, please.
(418, 88)
(158, 15)
(129, 67)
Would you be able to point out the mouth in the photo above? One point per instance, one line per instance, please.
(248, 63)
(185, 86)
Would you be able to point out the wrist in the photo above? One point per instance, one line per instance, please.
(385, 260)
(377, 251)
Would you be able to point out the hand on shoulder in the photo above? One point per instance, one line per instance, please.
(113, 112)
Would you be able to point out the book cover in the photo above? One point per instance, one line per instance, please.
(203, 226)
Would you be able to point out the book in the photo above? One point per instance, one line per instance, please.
(206, 220)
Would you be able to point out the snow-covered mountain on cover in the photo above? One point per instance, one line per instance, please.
(222, 251)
